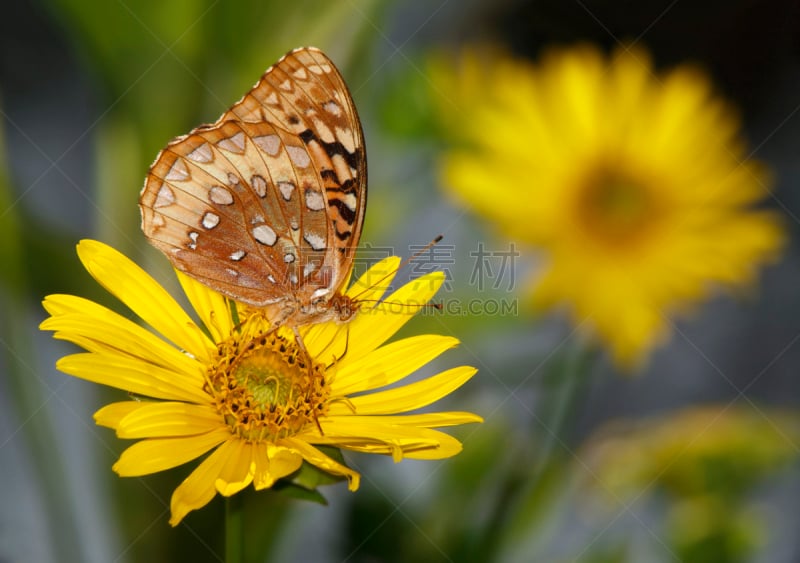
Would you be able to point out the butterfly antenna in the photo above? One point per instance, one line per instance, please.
(437, 306)
(403, 264)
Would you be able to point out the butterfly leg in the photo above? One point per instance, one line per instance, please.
(346, 343)
(303, 350)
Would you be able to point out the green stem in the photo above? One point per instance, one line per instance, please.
(526, 481)
(573, 377)
(234, 528)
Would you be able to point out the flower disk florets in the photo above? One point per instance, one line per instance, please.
(266, 387)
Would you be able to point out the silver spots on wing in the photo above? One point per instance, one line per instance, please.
(210, 220)
(234, 143)
(178, 171)
(265, 235)
(289, 257)
(298, 155)
(201, 154)
(220, 195)
(233, 179)
(286, 189)
(332, 108)
(313, 239)
(272, 98)
(320, 69)
(270, 144)
(193, 239)
(259, 185)
(314, 200)
(164, 197)
(237, 255)
(320, 292)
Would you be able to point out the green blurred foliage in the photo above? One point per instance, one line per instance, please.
(406, 110)
(704, 465)
(17, 362)
(13, 275)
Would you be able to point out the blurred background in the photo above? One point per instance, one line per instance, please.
(693, 458)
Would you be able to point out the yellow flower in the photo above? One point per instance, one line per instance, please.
(231, 385)
(635, 186)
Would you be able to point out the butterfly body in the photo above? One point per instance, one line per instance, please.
(339, 309)
(266, 205)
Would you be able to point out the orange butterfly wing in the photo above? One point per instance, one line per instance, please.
(266, 205)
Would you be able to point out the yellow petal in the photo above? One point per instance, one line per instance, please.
(421, 420)
(373, 284)
(163, 420)
(262, 478)
(369, 434)
(273, 462)
(408, 397)
(317, 458)
(110, 415)
(211, 307)
(199, 487)
(373, 326)
(347, 431)
(236, 473)
(283, 461)
(157, 454)
(389, 363)
(98, 329)
(134, 376)
(448, 447)
(144, 296)
(325, 341)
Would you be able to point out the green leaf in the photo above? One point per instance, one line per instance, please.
(301, 493)
(309, 476)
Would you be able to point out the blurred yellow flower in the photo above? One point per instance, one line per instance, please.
(635, 185)
(233, 386)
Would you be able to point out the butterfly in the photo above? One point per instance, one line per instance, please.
(266, 205)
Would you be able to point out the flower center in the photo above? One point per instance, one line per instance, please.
(266, 388)
(615, 207)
